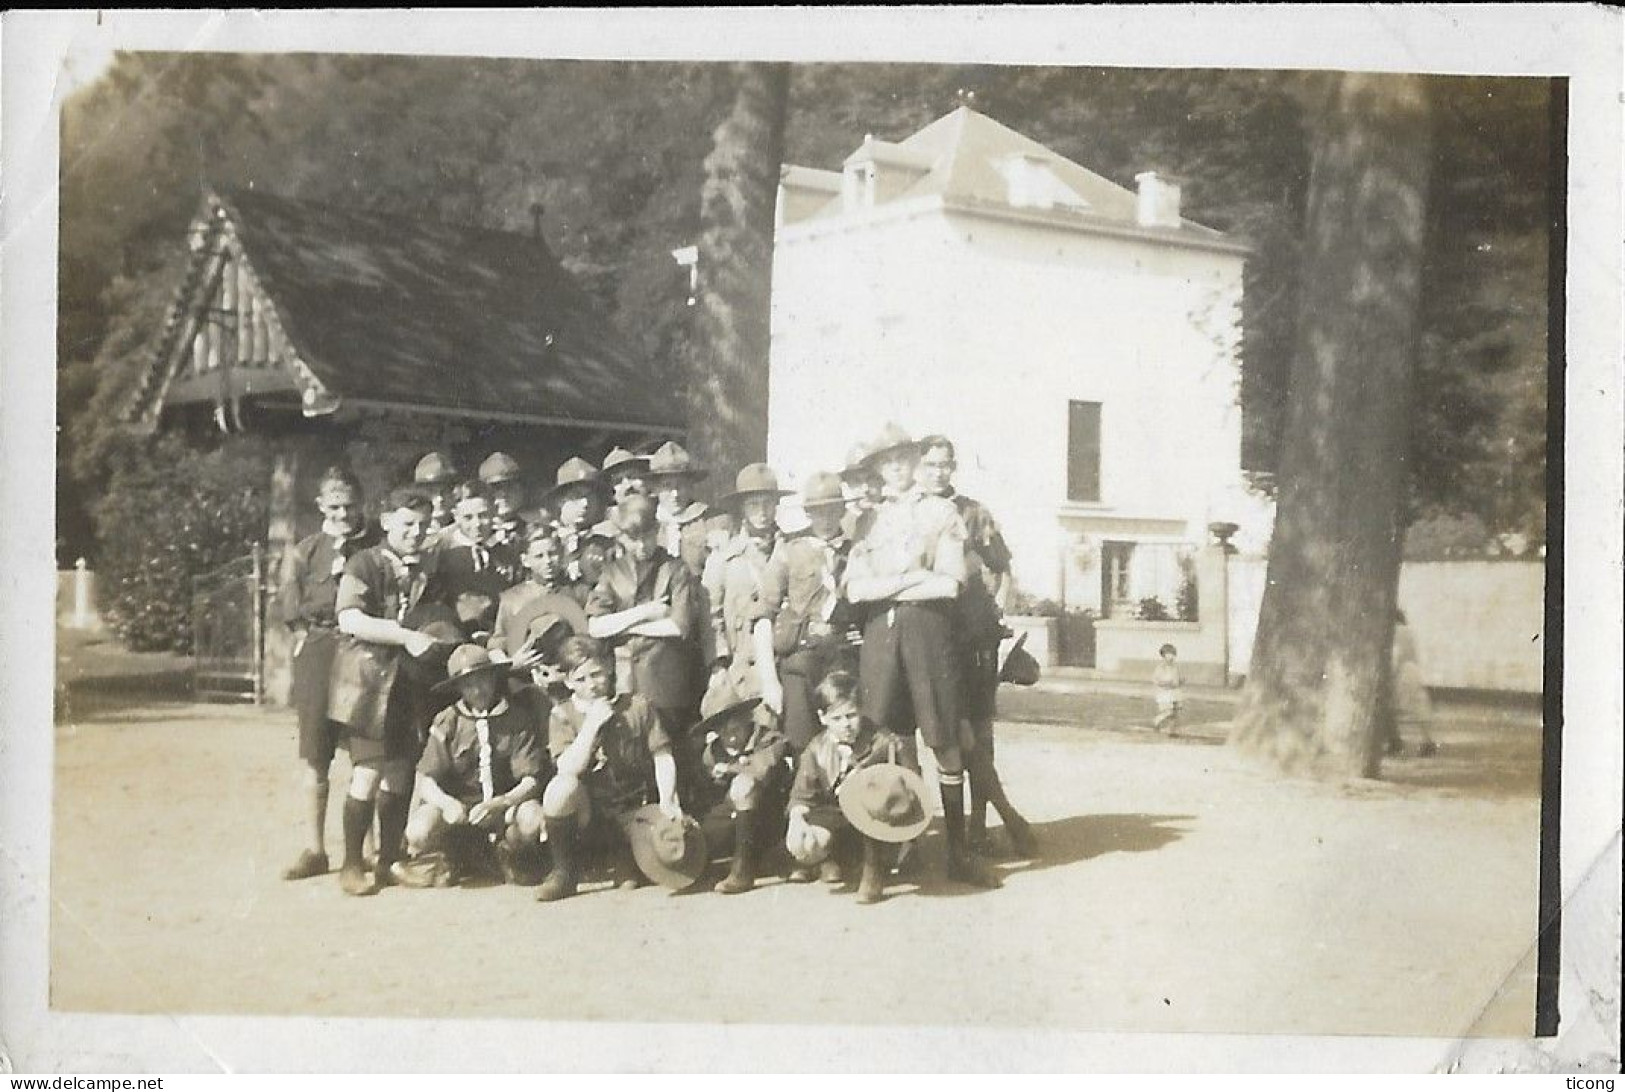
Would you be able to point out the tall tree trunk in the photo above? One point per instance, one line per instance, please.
(1315, 691)
(728, 349)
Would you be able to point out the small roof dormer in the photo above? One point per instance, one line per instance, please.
(1032, 183)
(880, 171)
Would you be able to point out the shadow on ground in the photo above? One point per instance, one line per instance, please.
(1061, 842)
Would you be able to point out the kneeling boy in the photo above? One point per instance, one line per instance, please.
(612, 757)
(479, 779)
(820, 835)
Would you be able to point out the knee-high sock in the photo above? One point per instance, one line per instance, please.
(392, 811)
(952, 787)
(318, 816)
(357, 819)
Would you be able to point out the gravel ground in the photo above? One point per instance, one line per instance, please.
(1179, 889)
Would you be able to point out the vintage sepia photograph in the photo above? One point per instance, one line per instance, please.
(915, 544)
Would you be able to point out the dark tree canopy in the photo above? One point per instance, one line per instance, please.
(614, 154)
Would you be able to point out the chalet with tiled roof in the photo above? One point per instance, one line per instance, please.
(292, 305)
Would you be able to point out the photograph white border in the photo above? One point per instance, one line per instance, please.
(1580, 42)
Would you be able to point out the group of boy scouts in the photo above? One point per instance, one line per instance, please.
(604, 678)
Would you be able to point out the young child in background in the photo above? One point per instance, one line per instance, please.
(1166, 680)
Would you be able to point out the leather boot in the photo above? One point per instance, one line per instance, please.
(353, 876)
(392, 812)
(872, 885)
(963, 865)
(561, 882)
(742, 877)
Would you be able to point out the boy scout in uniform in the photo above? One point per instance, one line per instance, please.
(577, 497)
(689, 528)
(980, 629)
(644, 610)
(378, 687)
(818, 834)
(436, 475)
(611, 757)
(479, 779)
(310, 580)
(802, 620)
(545, 590)
(501, 475)
(733, 581)
(863, 490)
(624, 475)
(475, 571)
(909, 569)
(745, 758)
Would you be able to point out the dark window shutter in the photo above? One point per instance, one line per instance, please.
(1083, 451)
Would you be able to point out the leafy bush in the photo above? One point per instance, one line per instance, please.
(172, 512)
(1187, 605)
(1152, 609)
(1026, 605)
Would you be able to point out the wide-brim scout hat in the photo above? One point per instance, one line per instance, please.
(671, 852)
(467, 660)
(671, 461)
(822, 490)
(499, 467)
(621, 459)
(753, 480)
(885, 802)
(857, 461)
(720, 706)
(574, 473)
(1019, 666)
(435, 468)
(546, 632)
(893, 437)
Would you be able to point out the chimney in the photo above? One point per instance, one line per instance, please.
(537, 210)
(1158, 204)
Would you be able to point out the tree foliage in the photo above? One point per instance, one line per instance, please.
(614, 153)
(172, 513)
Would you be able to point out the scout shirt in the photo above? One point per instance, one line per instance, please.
(987, 558)
(912, 531)
(622, 772)
(475, 577)
(477, 755)
(801, 590)
(524, 603)
(574, 542)
(692, 534)
(309, 588)
(508, 533)
(825, 763)
(310, 578)
(661, 669)
(362, 693)
(733, 586)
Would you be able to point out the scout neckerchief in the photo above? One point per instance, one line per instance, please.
(344, 543)
(845, 758)
(409, 575)
(480, 553)
(482, 730)
(835, 552)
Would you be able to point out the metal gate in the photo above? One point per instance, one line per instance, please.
(228, 631)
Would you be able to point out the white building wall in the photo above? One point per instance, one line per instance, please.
(984, 330)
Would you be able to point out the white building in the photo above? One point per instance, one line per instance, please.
(1077, 340)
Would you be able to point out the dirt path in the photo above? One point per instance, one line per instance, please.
(1179, 891)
